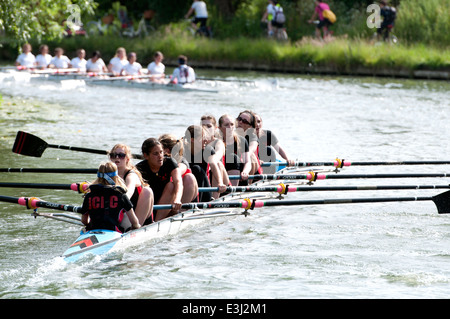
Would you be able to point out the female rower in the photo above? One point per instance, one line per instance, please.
(60, 61)
(246, 125)
(79, 62)
(132, 67)
(138, 191)
(163, 176)
(26, 58)
(118, 62)
(190, 186)
(106, 205)
(43, 58)
(203, 162)
(157, 68)
(183, 73)
(267, 142)
(209, 124)
(236, 157)
(96, 64)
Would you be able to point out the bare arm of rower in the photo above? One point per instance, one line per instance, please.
(283, 154)
(217, 176)
(247, 167)
(178, 189)
(133, 219)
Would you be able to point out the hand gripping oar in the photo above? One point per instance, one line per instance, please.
(312, 176)
(30, 145)
(343, 163)
(77, 187)
(442, 202)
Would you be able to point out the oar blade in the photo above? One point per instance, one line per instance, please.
(29, 145)
(442, 202)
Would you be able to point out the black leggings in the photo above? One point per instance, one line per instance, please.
(202, 181)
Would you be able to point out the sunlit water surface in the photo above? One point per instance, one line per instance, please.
(385, 250)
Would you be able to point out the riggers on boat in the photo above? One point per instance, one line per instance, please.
(99, 242)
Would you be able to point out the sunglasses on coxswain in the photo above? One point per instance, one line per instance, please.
(243, 120)
(117, 155)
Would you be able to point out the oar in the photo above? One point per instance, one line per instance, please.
(30, 145)
(33, 202)
(343, 163)
(222, 80)
(284, 189)
(316, 176)
(442, 202)
(77, 187)
(50, 170)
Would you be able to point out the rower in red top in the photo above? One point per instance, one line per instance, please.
(139, 192)
(106, 205)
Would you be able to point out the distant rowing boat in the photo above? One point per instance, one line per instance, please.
(100, 242)
(80, 79)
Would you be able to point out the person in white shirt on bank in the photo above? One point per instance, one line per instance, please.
(26, 58)
(157, 68)
(183, 73)
(43, 58)
(60, 61)
(133, 67)
(117, 63)
(96, 64)
(79, 62)
(201, 13)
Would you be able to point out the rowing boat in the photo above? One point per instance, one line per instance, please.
(79, 79)
(100, 242)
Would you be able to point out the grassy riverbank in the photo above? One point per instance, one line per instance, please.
(341, 56)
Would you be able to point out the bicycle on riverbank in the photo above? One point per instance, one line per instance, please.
(201, 31)
(279, 34)
(386, 35)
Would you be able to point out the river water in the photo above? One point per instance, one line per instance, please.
(383, 250)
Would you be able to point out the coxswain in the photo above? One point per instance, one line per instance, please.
(106, 205)
(183, 73)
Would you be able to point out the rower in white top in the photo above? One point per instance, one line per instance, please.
(96, 63)
(118, 62)
(133, 67)
(60, 61)
(43, 59)
(156, 68)
(79, 62)
(26, 58)
(183, 73)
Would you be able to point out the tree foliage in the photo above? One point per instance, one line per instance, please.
(23, 20)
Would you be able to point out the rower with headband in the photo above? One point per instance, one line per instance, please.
(106, 205)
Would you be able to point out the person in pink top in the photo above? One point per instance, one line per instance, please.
(323, 21)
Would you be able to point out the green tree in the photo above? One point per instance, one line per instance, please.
(23, 20)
